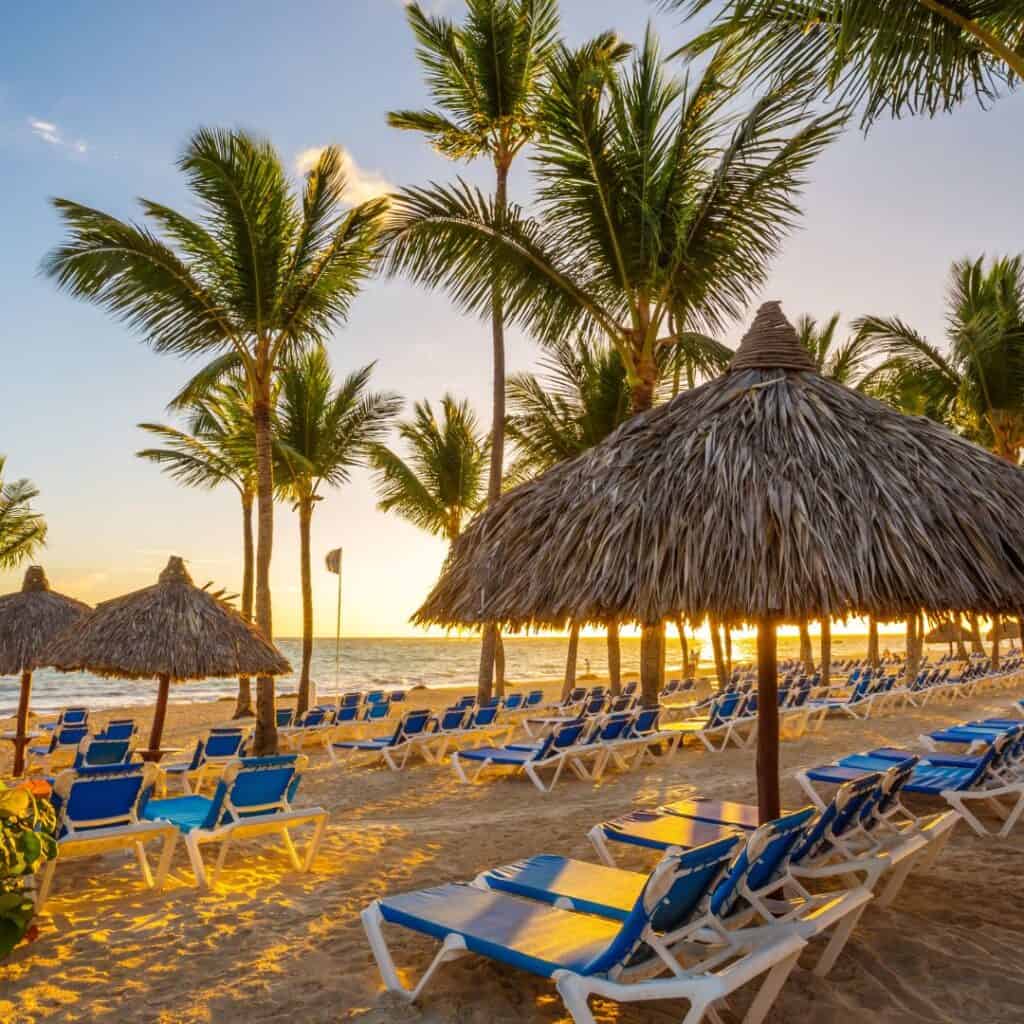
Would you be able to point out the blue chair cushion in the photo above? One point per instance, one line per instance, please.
(656, 831)
(186, 812)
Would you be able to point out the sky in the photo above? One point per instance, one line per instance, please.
(96, 102)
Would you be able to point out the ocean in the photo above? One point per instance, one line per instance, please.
(396, 662)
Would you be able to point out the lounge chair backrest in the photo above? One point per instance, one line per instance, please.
(254, 785)
(68, 736)
(629, 689)
(396, 696)
(594, 705)
(614, 727)
(351, 700)
(724, 708)
(841, 814)
(224, 745)
(348, 714)
(373, 710)
(94, 751)
(575, 695)
(412, 723)
(466, 702)
(73, 716)
(645, 721)
(513, 701)
(376, 697)
(452, 720)
(889, 792)
(312, 718)
(118, 729)
(284, 717)
(102, 797)
(533, 698)
(761, 860)
(483, 717)
(676, 893)
(561, 737)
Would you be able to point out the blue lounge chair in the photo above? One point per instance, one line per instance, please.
(587, 955)
(716, 731)
(312, 725)
(375, 711)
(211, 753)
(513, 702)
(60, 751)
(554, 751)
(101, 811)
(592, 706)
(118, 729)
(458, 726)
(98, 751)
(253, 798)
(759, 890)
(284, 717)
(69, 716)
(395, 749)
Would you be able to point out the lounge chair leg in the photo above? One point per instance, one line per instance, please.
(290, 849)
(196, 859)
(575, 998)
(314, 844)
(897, 877)
(140, 854)
(45, 881)
(837, 943)
(770, 989)
(163, 865)
(222, 856)
(596, 837)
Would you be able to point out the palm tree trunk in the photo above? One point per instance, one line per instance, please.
(306, 572)
(727, 641)
(642, 395)
(684, 647)
(961, 651)
(570, 659)
(499, 664)
(243, 705)
(265, 740)
(806, 649)
(21, 724)
(996, 625)
(716, 649)
(873, 655)
(485, 677)
(977, 647)
(652, 664)
(826, 650)
(614, 658)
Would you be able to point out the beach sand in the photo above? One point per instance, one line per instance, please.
(272, 944)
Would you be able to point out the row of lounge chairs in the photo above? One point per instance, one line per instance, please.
(729, 902)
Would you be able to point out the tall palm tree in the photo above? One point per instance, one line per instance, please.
(845, 362)
(889, 56)
(580, 399)
(321, 433)
(439, 485)
(262, 273)
(217, 446)
(22, 528)
(660, 208)
(485, 77)
(977, 384)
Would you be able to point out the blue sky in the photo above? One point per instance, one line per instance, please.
(97, 99)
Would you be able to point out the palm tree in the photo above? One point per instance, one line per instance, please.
(22, 528)
(321, 433)
(485, 77)
(217, 446)
(977, 384)
(891, 56)
(582, 397)
(439, 485)
(259, 275)
(660, 209)
(845, 362)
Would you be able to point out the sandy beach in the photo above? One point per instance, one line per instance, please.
(270, 943)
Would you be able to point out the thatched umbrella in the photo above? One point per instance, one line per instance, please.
(1008, 630)
(171, 630)
(768, 495)
(947, 633)
(29, 621)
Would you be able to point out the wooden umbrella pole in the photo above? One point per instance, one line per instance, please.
(21, 729)
(768, 806)
(157, 732)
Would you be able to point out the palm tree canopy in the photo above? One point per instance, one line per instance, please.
(659, 205)
(323, 431)
(217, 444)
(582, 397)
(845, 362)
(440, 481)
(259, 274)
(22, 528)
(977, 382)
(886, 56)
(482, 74)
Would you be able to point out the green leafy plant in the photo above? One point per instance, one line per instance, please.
(28, 827)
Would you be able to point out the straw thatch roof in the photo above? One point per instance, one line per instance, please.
(948, 633)
(1008, 630)
(171, 628)
(770, 491)
(30, 619)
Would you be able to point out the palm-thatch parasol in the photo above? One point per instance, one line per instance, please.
(768, 495)
(29, 621)
(171, 630)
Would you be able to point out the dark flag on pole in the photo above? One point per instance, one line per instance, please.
(334, 561)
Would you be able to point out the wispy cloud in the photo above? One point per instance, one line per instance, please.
(51, 135)
(361, 183)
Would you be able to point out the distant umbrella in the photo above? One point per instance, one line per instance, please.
(768, 495)
(171, 630)
(30, 619)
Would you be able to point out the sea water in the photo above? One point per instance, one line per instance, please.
(365, 663)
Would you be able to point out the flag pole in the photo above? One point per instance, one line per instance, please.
(334, 565)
